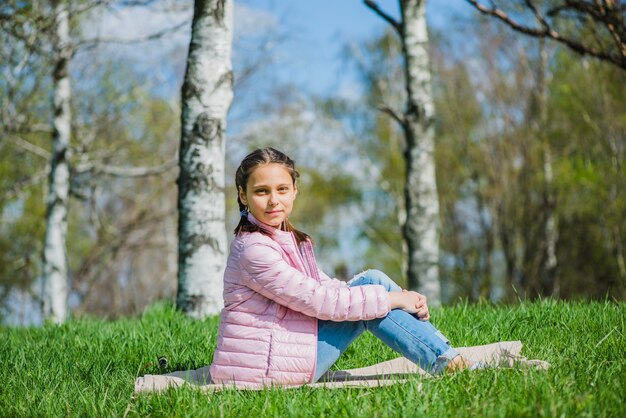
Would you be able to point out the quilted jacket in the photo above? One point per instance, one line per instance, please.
(273, 296)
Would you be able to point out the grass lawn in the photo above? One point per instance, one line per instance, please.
(87, 367)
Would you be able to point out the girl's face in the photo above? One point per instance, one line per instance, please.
(269, 194)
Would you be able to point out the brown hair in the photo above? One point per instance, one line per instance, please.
(248, 165)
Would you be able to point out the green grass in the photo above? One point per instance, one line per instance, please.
(87, 368)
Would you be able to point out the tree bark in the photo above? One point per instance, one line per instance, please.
(421, 229)
(206, 97)
(54, 257)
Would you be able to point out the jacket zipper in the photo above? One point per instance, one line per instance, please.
(299, 255)
(310, 274)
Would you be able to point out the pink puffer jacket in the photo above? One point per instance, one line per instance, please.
(273, 296)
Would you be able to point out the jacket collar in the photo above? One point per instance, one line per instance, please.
(274, 231)
(305, 261)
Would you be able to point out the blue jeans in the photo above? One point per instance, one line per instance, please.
(416, 340)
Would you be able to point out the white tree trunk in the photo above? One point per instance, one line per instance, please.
(54, 257)
(421, 230)
(206, 95)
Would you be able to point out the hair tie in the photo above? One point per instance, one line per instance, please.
(244, 213)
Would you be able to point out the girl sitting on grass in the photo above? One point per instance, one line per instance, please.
(284, 321)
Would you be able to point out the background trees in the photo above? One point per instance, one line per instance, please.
(593, 28)
(511, 169)
(524, 134)
(108, 148)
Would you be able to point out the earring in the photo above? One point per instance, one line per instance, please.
(244, 212)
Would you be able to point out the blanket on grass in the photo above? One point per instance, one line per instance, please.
(501, 354)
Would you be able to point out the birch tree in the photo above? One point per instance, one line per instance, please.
(420, 229)
(55, 257)
(206, 97)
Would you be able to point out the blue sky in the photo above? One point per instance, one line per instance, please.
(314, 32)
(318, 30)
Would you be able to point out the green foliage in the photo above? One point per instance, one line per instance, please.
(379, 146)
(116, 120)
(87, 367)
(495, 140)
(321, 195)
(461, 166)
(25, 94)
(589, 131)
(22, 211)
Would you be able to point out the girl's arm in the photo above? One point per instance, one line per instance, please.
(267, 273)
(409, 301)
(328, 281)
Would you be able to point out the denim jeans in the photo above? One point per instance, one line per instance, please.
(416, 340)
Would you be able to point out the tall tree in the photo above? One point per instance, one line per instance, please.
(421, 228)
(54, 256)
(207, 93)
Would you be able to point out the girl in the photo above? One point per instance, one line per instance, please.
(284, 321)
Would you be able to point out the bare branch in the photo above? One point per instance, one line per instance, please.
(39, 128)
(87, 6)
(537, 14)
(126, 172)
(45, 128)
(19, 186)
(607, 15)
(90, 5)
(374, 6)
(501, 15)
(30, 147)
(394, 115)
(109, 242)
(91, 43)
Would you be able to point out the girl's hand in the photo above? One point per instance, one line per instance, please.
(411, 302)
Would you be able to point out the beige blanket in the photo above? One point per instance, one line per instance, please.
(502, 354)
